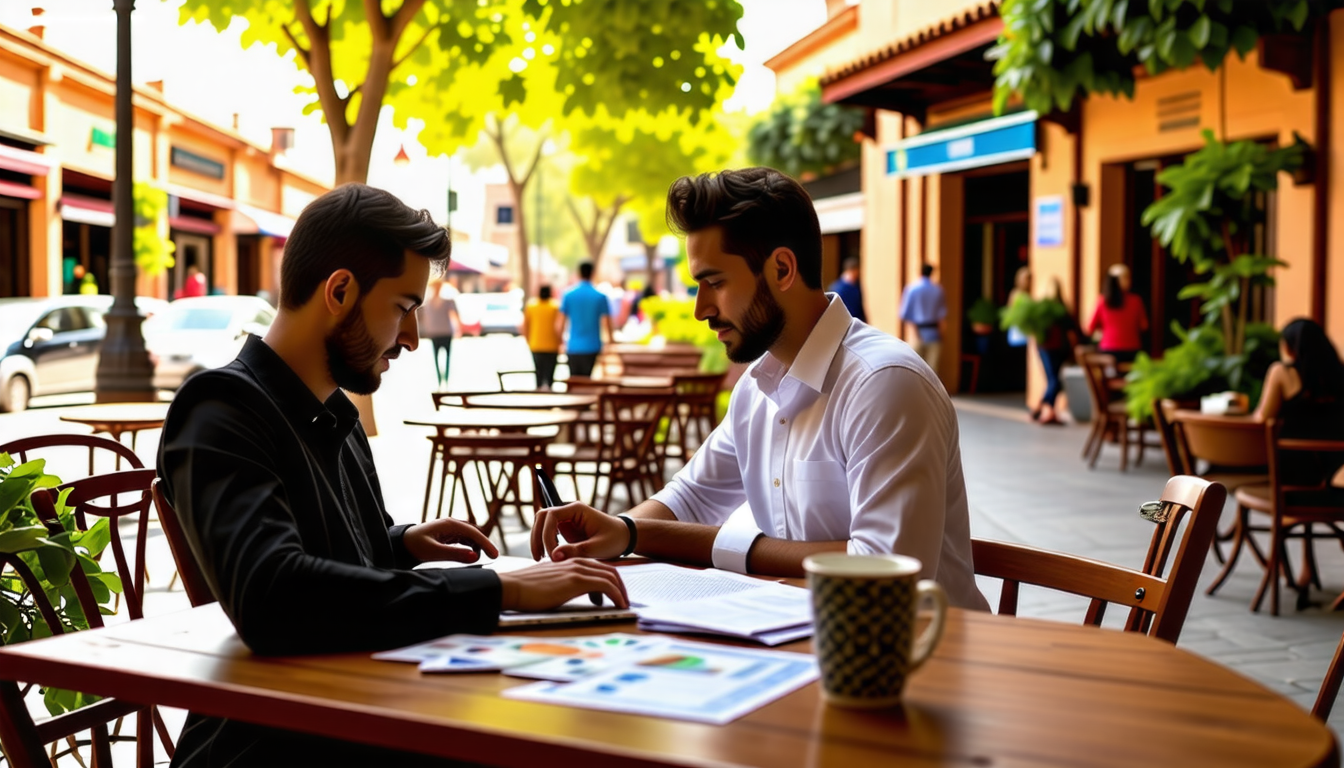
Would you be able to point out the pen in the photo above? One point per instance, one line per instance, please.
(551, 498)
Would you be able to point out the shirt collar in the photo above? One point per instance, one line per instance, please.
(814, 359)
(336, 417)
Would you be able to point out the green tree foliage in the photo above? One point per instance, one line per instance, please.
(801, 134)
(153, 251)
(51, 558)
(629, 164)
(1034, 317)
(1053, 51)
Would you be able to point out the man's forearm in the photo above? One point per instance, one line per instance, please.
(780, 557)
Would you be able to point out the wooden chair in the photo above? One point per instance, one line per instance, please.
(188, 566)
(1296, 502)
(625, 453)
(1158, 605)
(1325, 699)
(517, 381)
(20, 448)
(694, 408)
(497, 461)
(24, 740)
(1177, 462)
(98, 496)
(1110, 420)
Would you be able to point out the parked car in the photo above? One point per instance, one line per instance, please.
(191, 335)
(483, 313)
(49, 346)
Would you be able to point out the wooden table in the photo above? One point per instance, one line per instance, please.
(533, 400)
(637, 382)
(999, 691)
(118, 418)
(503, 419)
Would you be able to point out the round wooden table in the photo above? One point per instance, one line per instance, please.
(637, 382)
(532, 400)
(117, 419)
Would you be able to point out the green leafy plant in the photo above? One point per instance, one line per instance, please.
(1053, 51)
(983, 312)
(153, 251)
(1032, 317)
(51, 558)
(1198, 366)
(801, 134)
(674, 320)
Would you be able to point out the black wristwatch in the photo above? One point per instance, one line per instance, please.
(634, 534)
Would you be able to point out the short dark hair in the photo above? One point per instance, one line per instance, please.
(926, 270)
(544, 292)
(586, 270)
(758, 210)
(850, 263)
(362, 229)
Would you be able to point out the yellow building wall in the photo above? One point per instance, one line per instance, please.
(879, 254)
(19, 95)
(1334, 276)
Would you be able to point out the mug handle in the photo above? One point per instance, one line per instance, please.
(928, 640)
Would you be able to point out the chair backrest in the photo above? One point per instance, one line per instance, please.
(1158, 605)
(102, 496)
(630, 421)
(20, 448)
(188, 566)
(1223, 441)
(517, 381)
(456, 399)
(585, 385)
(1299, 474)
(1097, 367)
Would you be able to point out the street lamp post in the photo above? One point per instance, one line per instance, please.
(124, 370)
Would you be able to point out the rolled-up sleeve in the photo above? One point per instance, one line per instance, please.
(900, 434)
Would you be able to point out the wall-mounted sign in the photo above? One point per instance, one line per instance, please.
(190, 161)
(1049, 211)
(984, 142)
(100, 138)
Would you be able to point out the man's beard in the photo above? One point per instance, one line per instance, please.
(353, 355)
(760, 328)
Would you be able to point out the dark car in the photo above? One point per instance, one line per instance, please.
(50, 346)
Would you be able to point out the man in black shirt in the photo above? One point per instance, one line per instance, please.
(268, 467)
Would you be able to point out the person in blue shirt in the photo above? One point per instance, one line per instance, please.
(587, 314)
(847, 288)
(925, 307)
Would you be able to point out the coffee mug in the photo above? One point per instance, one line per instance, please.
(863, 609)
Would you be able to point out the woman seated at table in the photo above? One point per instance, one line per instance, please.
(1306, 390)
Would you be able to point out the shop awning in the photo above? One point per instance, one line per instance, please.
(940, 63)
(87, 210)
(24, 161)
(983, 142)
(201, 198)
(265, 222)
(477, 257)
(21, 191)
(841, 213)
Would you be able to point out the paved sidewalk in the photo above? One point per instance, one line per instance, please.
(1026, 483)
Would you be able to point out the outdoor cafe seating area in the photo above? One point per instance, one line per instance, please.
(998, 686)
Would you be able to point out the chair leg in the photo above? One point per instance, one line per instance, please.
(1123, 426)
(18, 733)
(429, 483)
(1239, 535)
(144, 739)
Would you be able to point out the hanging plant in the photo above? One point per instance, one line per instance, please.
(150, 244)
(802, 135)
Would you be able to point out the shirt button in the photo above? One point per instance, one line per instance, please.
(776, 482)
(783, 421)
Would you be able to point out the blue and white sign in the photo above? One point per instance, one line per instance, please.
(985, 142)
(1049, 221)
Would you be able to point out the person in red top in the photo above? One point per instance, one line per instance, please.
(193, 286)
(1120, 316)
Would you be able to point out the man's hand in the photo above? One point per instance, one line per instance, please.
(447, 539)
(546, 586)
(590, 533)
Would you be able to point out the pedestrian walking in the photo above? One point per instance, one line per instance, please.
(439, 323)
(847, 288)
(924, 306)
(584, 311)
(540, 328)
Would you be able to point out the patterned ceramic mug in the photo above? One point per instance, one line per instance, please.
(864, 614)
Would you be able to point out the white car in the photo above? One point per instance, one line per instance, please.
(484, 313)
(191, 335)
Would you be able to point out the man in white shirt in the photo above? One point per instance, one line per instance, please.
(839, 438)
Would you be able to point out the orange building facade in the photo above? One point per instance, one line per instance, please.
(1063, 194)
(231, 203)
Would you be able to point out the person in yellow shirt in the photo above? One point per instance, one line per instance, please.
(539, 327)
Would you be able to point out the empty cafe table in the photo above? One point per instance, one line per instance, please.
(532, 400)
(117, 419)
(997, 691)
(501, 419)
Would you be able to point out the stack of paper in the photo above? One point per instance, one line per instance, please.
(673, 599)
(539, 658)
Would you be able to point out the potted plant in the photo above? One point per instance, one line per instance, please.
(51, 558)
(1033, 317)
(1208, 218)
(982, 315)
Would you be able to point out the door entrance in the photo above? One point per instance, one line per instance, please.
(13, 247)
(192, 251)
(996, 242)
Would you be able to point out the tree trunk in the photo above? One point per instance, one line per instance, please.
(520, 221)
(651, 262)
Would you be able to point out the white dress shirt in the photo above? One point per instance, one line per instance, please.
(856, 442)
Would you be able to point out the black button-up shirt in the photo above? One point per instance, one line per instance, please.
(280, 500)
